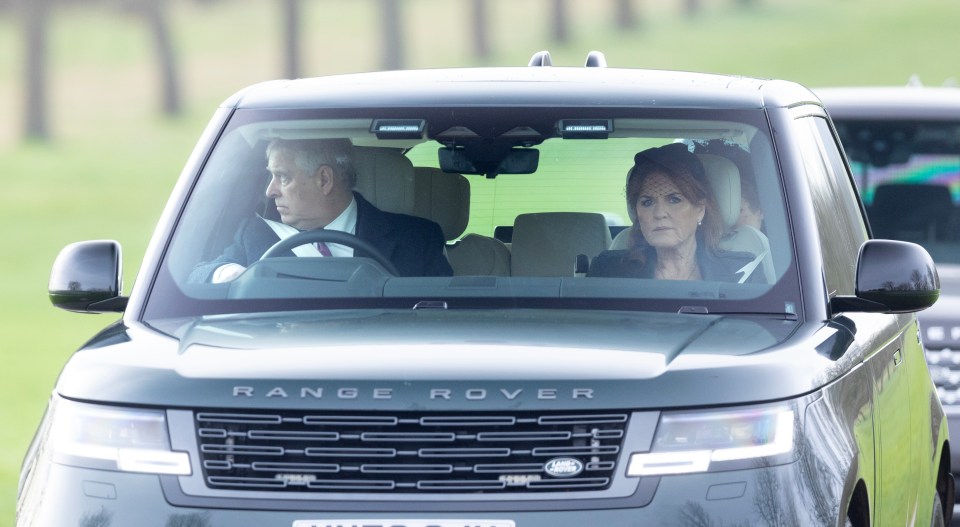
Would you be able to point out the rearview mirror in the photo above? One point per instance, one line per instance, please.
(489, 160)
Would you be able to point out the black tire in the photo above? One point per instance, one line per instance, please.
(936, 516)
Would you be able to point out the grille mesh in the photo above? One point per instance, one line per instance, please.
(415, 453)
(945, 371)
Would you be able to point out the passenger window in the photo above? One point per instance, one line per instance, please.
(839, 219)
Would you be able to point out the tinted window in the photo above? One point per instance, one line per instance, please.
(839, 220)
(559, 195)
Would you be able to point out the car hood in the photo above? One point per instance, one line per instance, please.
(435, 360)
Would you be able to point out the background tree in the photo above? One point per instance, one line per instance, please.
(36, 18)
(481, 42)
(626, 15)
(156, 17)
(392, 34)
(559, 29)
(291, 38)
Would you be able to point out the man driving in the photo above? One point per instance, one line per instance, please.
(311, 182)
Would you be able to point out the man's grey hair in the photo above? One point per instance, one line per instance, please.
(311, 154)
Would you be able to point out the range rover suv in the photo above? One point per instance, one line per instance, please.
(493, 367)
(903, 145)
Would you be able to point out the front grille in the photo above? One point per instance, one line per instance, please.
(944, 367)
(409, 452)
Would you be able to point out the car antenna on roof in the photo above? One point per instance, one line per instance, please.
(541, 58)
(595, 59)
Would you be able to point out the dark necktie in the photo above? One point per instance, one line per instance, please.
(324, 250)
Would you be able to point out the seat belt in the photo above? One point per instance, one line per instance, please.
(284, 231)
(748, 269)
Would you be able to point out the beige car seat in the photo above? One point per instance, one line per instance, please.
(385, 177)
(445, 198)
(548, 243)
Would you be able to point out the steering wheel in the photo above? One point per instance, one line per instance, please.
(338, 237)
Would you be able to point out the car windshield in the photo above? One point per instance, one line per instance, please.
(908, 173)
(532, 210)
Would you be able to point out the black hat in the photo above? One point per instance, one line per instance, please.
(674, 157)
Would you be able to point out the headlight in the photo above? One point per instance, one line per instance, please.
(104, 437)
(702, 441)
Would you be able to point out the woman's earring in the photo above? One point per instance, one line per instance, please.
(700, 222)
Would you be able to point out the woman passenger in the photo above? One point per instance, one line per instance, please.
(676, 223)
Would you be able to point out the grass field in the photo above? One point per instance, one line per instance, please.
(113, 159)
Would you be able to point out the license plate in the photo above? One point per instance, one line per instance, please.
(404, 523)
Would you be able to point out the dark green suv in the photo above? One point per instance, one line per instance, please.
(502, 297)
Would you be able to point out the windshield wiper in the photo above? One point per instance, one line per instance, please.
(702, 310)
(430, 304)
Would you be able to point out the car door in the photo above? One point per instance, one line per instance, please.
(893, 431)
(842, 230)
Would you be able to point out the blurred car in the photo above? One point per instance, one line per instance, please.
(524, 390)
(903, 145)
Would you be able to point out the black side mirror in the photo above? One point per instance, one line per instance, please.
(86, 278)
(892, 277)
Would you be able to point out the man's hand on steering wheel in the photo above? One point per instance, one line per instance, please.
(330, 236)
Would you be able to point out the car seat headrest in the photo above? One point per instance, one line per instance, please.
(385, 178)
(724, 178)
(548, 243)
(444, 198)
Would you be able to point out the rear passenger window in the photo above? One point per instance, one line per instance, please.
(839, 220)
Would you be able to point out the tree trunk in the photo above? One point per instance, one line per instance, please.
(156, 17)
(291, 38)
(392, 37)
(626, 15)
(559, 30)
(481, 44)
(36, 17)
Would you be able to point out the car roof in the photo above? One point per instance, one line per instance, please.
(524, 86)
(891, 102)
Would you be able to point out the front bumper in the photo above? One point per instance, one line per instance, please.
(782, 495)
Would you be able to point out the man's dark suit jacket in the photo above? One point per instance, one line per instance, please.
(414, 245)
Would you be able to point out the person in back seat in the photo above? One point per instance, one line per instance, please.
(676, 223)
(312, 184)
(750, 212)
